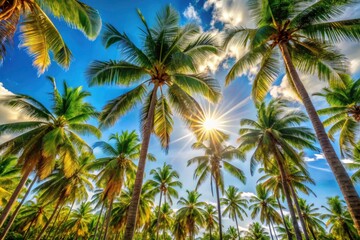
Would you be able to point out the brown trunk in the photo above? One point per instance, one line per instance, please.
(312, 232)
(302, 221)
(346, 186)
(108, 217)
(65, 219)
(283, 218)
(131, 219)
(97, 223)
(50, 219)
(14, 196)
(158, 219)
(218, 207)
(55, 220)
(28, 230)
(12, 219)
(279, 159)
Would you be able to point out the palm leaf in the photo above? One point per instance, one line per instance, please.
(163, 122)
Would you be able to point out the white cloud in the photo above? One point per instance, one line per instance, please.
(247, 194)
(319, 156)
(347, 161)
(316, 157)
(191, 14)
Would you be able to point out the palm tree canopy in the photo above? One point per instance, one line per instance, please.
(234, 203)
(39, 35)
(256, 232)
(307, 29)
(167, 61)
(9, 176)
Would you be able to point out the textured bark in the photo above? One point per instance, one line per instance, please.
(302, 221)
(97, 223)
(108, 217)
(15, 213)
(131, 218)
(14, 196)
(50, 219)
(158, 219)
(218, 207)
(346, 186)
(283, 218)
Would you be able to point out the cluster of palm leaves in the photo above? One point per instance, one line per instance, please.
(163, 74)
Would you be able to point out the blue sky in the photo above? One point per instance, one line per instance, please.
(18, 76)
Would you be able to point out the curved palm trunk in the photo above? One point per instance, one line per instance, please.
(64, 221)
(219, 208)
(131, 218)
(302, 221)
(98, 220)
(50, 219)
(237, 226)
(14, 196)
(283, 218)
(108, 217)
(285, 185)
(346, 186)
(158, 219)
(15, 213)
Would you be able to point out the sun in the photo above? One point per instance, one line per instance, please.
(210, 124)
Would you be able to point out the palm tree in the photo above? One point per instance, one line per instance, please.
(303, 33)
(276, 136)
(49, 135)
(79, 220)
(211, 220)
(9, 176)
(312, 218)
(117, 167)
(232, 234)
(339, 220)
(344, 111)
(164, 181)
(98, 200)
(256, 232)
(235, 205)
(355, 164)
(286, 230)
(39, 34)
(191, 213)
(166, 214)
(166, 62)
(214, 162)
(265, 205)
(59, 189)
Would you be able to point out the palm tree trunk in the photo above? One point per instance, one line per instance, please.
(272, 225)
(65, 219)
(12, 219)
(271, 235)
(158, 219)
(279, 159)
(210, 233)
(108, 217)
(131, 218)
(98, 220)
(283, 218)
(312, 232)
(218, 207)
(346, 186)
(28, 230)
(50, 219)
(102, 225)
(14, 196)
(55, 220)
(302, 221)
(237, 226)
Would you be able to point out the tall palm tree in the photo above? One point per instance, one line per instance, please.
(235, 205)
(9, 176)
(343, 112)
(50, 135)
(256, 232)
(286, 230)
(59, 189)
(265, 205)
(338, 219)
(167, 64)
(39, 34)
(166, 215)
(164, 181)
(215, 161)
(79, 221)
(211, 220)
(117, 167)
(312, 218)
(302, 33)
(191, 213)
(276, 136)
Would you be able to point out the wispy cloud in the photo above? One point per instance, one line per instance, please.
(191, 14)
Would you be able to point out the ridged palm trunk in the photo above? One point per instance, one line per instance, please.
(158, 218)
(283, 218)
(131, 218)
(14, 196)
(279, 160)
(218, 207)
(237, 226)
(108, 217)
(302, 221)
(59, 202)
(15, 213)
(98, 220)
(346, 186)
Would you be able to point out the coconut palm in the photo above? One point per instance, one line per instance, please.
(343, 112)
(256, 232)
(59, 189)
(232, 234)
(265, 205)
(79, 221)
(303, 33)
(339, 219)
(38, 33)
(312, 218)
(211, 220)
(191, 213)
(276, 136)
(215, 161)
(164, 181)
(166, 216)
(165, 71)
(117, 167)
(285, 231)
(9, 176)
(98, 200)
(235, 205)
(48, 135)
